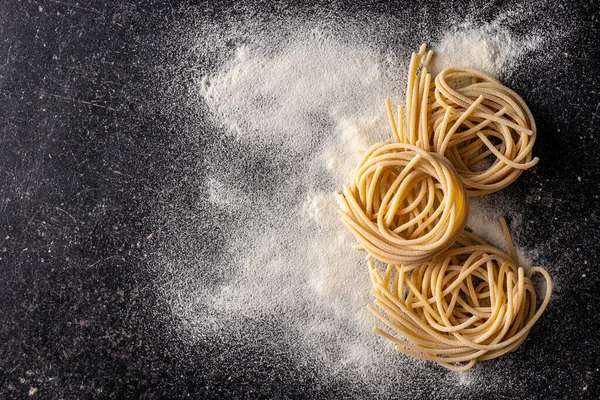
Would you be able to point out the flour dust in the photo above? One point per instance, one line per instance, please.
(289, 106)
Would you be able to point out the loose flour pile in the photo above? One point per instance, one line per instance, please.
(294, 105)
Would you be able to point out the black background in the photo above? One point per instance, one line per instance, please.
(79, 178)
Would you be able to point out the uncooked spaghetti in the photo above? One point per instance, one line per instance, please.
(470, 303)
(446, 295)
(404, 204)
(484, 128)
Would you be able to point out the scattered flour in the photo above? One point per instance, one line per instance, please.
(484, 215)
(489, 47)
(322, 100)
(295, 106)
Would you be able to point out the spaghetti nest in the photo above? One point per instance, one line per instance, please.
(446, 295)
(470, 303)
(484, 128)
(404, 205)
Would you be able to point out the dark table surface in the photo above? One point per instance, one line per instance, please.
(88, 120)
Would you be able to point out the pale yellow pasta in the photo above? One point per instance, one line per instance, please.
(482, 127)
(470, 303)
(446, 295)
(403, 204)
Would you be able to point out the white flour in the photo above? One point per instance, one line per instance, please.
(319, 101)
(296, 106)
(489, 47)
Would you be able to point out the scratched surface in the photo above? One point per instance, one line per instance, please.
(84, 151)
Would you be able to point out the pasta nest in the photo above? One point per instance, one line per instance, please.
(470, 303)
(404, 204)
(484, 128)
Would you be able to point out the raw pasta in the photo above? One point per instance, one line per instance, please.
(446, 295)
(468, 304)
(404, 205)
(484, 128)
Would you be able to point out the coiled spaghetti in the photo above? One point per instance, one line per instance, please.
(446, 295)
(484, 128)
(468, 304)
(404, 205)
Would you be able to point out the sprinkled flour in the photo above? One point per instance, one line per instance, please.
(489, 47)
(293, 107)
